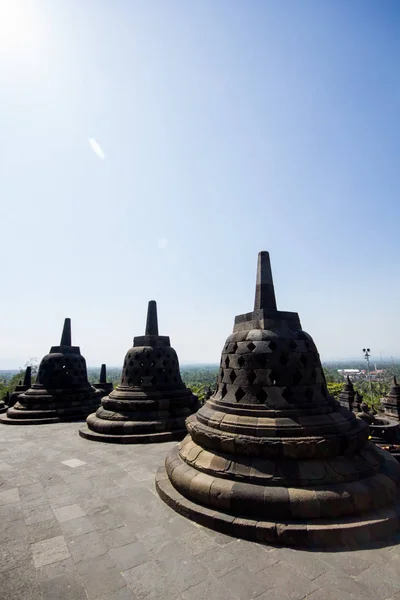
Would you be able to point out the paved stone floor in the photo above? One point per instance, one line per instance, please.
(81, 520)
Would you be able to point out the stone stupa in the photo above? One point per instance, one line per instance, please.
(4, 403)
(151, 403)
(21, 387)
(61, 391)
(104, 386)
(271, 456)
(390, 404)
(347, 395)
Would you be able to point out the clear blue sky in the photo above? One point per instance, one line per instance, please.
(228, 127)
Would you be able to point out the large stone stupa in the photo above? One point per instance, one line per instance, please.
(61, 392)
(151, 403)
(271, 456)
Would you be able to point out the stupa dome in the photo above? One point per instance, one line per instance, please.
(151, 403)
(271, 456)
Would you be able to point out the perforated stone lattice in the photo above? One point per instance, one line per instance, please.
(249, 367)
(62, 371)
(151, 366)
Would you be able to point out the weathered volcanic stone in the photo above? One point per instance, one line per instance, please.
(61, 392)
(390, 404)
(271, 456)
(21, 387)
(347, 395)
(104, 386)
(151, 403)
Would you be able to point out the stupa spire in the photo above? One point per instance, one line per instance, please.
(152, 321)
(265, 294)
(66, 333)
(28, 377)
(103, 374)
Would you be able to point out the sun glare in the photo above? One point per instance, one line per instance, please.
(16, 24)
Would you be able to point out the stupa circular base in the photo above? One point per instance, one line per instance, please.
(343, 532)
(139, 438)
(3, 409)
(40, 420)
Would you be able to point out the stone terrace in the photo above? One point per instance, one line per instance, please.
(81, 520)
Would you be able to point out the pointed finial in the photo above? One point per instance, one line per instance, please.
(152, 322)
(265, 294)
(348, 379)
(66, 334)
(103, 374)
(28, 378)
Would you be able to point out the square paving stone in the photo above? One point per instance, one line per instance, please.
(67, 513)
(309, 564)
(37, 514)
(65, 587)
(196, 542)
(219, 562)
(62, 567)
(9, 496)
(114, 538)
(209, 589)
(86, 546)
(19, 584)
(43, 530)
(122, 594)
(382, 581)
(49, 551)
(100, 576)
(252, 555)
(14, 554)
(78, 526)
(129, 556)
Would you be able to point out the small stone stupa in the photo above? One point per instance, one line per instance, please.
(390, 404)
(347, 395)
(271, 456)
(21, 387)
(151, 403)
(61, 391)
(104, 386)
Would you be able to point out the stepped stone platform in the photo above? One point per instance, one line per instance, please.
(151, 403)
(82, 521)
(61, 392)
(271, 456)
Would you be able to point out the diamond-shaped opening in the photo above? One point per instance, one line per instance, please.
(232, 376)
(239, 394)
(293, 345)
(241, 361)
(223, 390)
(234, 347)
(284, 359)
(303, 360)
(251, 346)
(272, 345)
(227, 361)
(251, 377)
(297, 378)
(261, 396)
